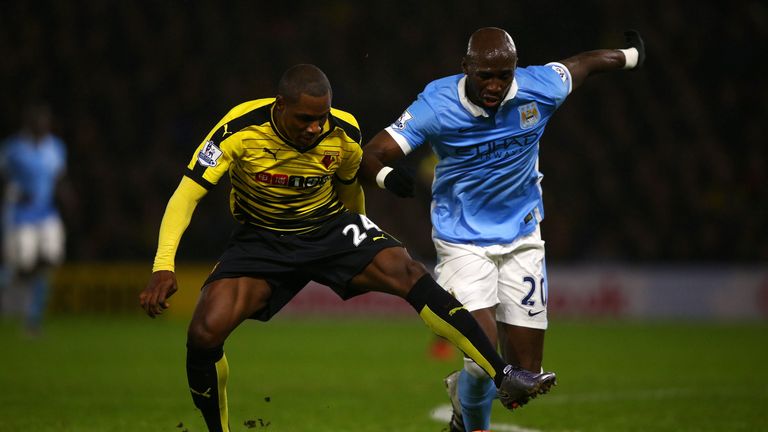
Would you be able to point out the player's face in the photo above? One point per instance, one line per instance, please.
(302, 121)
(489, 80)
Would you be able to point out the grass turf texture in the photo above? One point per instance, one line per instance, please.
(296, 375)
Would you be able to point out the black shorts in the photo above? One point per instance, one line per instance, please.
(331, 255)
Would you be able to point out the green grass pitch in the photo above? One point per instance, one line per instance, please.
(296, 375)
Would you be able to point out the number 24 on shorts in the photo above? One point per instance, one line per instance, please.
(359, 235)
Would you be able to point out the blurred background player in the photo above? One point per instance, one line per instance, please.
(485, 126)
(32, 164)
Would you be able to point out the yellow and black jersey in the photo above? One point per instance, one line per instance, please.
(275, 185)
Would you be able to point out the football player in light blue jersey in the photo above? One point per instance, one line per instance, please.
(485, 127)
(31, 164)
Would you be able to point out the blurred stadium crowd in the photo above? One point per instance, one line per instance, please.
(668, 163)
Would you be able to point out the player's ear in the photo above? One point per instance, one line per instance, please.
(279, 103)
(465, 66)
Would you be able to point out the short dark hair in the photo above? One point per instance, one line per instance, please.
(303, 78)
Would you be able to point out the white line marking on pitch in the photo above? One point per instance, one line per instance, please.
(443, 414)
(636, 395)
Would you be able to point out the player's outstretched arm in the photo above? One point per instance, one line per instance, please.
(381, 150)
(585, 64)
(178, 215)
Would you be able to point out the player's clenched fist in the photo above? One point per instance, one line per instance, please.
(634, 59)
(398, 180)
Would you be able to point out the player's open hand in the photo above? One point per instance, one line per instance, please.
(634, 40)
(154, 298)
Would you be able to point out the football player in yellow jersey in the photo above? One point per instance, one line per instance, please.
(293, 163)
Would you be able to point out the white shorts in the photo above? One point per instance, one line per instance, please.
(512, 277)
(28, 245)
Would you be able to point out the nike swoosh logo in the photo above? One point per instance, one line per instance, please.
(381, 237)
(454, 310)
(467, 129)
(532, 313)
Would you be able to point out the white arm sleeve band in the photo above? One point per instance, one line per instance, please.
(381, 175)
(399, 139)
(630, 55)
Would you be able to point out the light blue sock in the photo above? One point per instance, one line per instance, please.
(476, 396)
(39, 301)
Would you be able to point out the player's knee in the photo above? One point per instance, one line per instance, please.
(473, 369)
(24, 265)
(26, 274)
(201, 334)
(414, 271)
(393, 271)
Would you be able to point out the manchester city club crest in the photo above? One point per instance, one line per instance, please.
(529, 115)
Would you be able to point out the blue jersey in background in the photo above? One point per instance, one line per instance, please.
(31, 170)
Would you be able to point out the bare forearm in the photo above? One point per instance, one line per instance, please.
(589, 63)
(370, 165)
(381, 150)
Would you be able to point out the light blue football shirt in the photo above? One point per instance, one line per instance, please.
(31, 170)
(487, 183)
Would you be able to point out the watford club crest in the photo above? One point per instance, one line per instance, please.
(330, 158)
